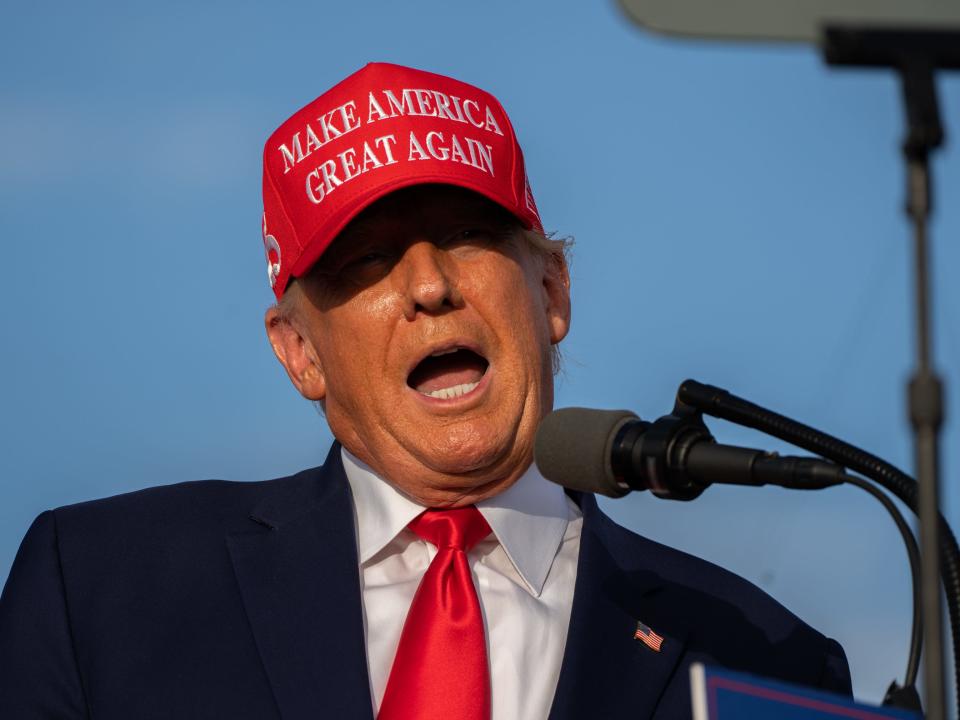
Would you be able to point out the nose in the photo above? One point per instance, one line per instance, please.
(429, 279)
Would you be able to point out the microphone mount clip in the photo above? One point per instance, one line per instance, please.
(660, 449)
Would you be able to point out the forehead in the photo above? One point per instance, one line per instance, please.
(431, 211)
(424, 207)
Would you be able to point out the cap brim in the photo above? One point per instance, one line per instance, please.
(316, 246)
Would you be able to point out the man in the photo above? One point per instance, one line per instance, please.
(426, 570)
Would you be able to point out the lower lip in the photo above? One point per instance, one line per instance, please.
(454, 402)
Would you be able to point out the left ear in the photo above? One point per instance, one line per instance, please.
(556, 286)
(297, 355)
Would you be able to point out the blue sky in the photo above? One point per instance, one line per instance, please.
(737, 213)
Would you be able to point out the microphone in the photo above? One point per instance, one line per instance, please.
(612, 452)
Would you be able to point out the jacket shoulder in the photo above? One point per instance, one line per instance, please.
(731, 621)
(161, 531)
(211, 505)
(691, 574)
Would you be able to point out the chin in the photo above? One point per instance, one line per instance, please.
(469, 451)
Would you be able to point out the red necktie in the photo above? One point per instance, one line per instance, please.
(440, 671)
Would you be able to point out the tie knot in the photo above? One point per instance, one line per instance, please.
(459, 528)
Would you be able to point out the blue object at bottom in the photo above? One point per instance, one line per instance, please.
(725, 695)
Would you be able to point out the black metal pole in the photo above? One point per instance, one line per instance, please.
(925, 391)
(925, 416)
(916, 54)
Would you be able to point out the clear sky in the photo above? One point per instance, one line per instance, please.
(737, 213)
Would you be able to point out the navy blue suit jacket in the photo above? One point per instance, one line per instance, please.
(242, 600)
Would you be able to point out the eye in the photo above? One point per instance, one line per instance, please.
(368, 263)
(472, 237)
(359, 268)
(367, 259)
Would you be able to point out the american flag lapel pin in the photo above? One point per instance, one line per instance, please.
(648, 637)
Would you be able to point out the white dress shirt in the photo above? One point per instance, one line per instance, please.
(524, 573)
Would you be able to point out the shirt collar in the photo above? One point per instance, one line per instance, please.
(529, 518)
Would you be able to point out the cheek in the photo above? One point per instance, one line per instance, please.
(525, 293)
(380, 305)
(350, 344)
(508, 275)
(513, 300)
(358, 323)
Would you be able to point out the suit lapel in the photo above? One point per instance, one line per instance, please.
(296, 566)
(606, 672)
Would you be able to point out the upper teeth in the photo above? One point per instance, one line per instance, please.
(438, 353)
(452, 392)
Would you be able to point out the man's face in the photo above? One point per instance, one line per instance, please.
(426, 330)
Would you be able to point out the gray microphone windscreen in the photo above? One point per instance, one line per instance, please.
(574, 446)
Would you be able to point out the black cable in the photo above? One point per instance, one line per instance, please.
(913, 554)
(721, 404)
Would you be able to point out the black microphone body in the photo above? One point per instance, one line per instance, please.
(613, 452)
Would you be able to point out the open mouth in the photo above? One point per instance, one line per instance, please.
(448, 373)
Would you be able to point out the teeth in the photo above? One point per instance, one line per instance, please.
(444, 352)
(452, 392)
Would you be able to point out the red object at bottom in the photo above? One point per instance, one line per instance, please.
(440, 671)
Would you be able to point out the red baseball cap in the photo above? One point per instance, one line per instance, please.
(383, 128)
